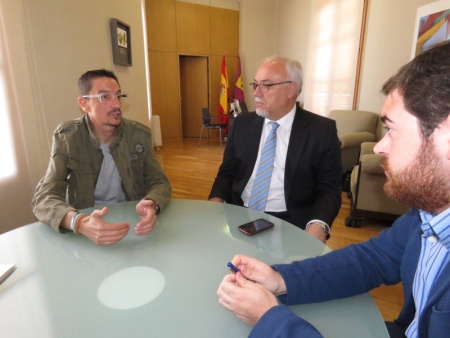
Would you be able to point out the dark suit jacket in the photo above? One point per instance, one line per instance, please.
(313, 170)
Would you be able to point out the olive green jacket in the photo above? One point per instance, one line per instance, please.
(75, 163)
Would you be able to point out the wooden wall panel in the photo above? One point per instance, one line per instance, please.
(164, 83)
(161, 25)
(224, 31)
(182, 28)
(193, 28)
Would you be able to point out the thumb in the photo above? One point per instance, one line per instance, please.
(100, 213)
(241, 280)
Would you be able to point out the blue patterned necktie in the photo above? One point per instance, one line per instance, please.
(260, 190)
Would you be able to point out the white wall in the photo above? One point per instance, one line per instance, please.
(389, 31)
(228, 4)
(46, 46)
(258, 34)
(75, 37)
(388, 43)
(294, 19)
(18, 110)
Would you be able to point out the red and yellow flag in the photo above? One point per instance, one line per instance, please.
(239, 88)
(223, 101)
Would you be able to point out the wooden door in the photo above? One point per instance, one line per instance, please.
(194, 92)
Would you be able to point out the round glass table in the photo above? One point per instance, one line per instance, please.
(160, 285)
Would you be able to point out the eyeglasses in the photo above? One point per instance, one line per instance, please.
(105, 97)
(265, 87)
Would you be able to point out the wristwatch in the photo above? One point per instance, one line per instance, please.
(323, 225)
(155, 205)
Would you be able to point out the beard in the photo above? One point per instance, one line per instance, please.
(261, 112)
(423, 184)
(116, 118)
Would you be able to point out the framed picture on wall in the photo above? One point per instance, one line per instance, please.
(121, 42)
(432, 26)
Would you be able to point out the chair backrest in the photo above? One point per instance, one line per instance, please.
(244, 108)
(206, 116)
(381, 131)
(349, 121)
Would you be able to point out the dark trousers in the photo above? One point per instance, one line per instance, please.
(396, 330)
(284, 215)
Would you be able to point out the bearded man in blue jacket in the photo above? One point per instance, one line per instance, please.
(414, 251)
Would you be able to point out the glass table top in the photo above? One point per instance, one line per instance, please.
(160, 285)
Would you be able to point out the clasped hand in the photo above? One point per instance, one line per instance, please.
(104, 233)
(250, 292)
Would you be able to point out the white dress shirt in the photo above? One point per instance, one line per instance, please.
(275, 200)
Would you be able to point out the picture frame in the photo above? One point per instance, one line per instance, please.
(121, 42)
(432, 26)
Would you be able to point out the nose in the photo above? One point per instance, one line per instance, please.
(116, 102)
(381, 148)
(257, 91)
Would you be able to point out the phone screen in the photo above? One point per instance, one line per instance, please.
(256, 226)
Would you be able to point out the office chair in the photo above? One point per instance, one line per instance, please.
(207, 123)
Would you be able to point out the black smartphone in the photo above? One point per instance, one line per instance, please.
(256, 226)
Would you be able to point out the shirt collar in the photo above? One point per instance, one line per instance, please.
(437, 225)
(286, 121)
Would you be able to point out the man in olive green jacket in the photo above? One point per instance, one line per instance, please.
(98, 159)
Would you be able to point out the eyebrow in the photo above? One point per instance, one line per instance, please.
(262, 81)
(385, 119)
(105, 91)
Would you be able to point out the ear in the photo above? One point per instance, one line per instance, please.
(446, 131)
(292, 90)
(83, 103)
(441, 135)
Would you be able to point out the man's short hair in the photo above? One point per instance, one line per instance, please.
(424, 84)
(85, 80)
(293, 68)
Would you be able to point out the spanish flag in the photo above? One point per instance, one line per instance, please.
(223, 101)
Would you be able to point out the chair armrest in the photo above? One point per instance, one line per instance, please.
(370, 164)
(367, 148)
(355, 139)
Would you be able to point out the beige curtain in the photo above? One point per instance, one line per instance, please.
(332, 55)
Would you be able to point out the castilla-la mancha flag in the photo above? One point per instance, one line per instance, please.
(239, 88)
(223, 101)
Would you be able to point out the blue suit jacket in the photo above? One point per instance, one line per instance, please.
(390, 258)
(313, 169)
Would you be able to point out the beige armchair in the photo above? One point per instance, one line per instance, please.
(354, 127)
(368, 199)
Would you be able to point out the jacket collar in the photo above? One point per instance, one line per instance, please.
(93, 135)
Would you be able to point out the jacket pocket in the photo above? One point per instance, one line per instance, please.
(439, 324)
(82, 179)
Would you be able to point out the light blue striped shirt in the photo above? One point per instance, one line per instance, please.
(434, 256)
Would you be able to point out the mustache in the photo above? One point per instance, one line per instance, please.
(258, 100)
(115, 110)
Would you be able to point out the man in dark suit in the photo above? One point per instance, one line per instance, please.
(305, 185)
